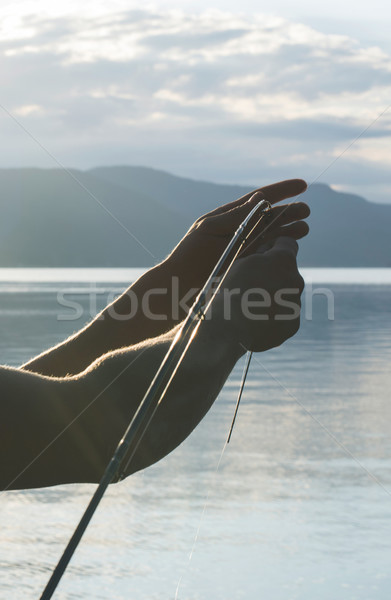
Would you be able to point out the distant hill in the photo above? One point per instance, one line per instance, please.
(54, 218)
(49, 219)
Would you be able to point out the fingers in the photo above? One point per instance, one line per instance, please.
(283, 190)
(226, 224)
(273, 193)
(285, 220)
(278, 191)
(287, 213)
(296, 231)
(281, 216)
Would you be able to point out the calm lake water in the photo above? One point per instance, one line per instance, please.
(300, 507)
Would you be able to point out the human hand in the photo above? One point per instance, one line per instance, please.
(258, 306)
(196, 254)
(170, 288)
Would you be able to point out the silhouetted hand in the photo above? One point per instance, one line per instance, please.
(120, 325)
(195, 256)
(258, 306)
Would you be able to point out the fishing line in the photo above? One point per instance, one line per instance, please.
(244, 377)
(200, 521)
(77, 181)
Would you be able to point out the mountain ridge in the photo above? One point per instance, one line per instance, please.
(132, 216)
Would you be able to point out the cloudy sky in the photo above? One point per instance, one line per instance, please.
(202, 89)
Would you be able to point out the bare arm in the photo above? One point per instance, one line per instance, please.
(187, 268)
(56, 431)
(64, 430)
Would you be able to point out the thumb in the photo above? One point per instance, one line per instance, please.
(283, 252)
(286, 244)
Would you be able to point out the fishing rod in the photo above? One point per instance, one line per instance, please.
(127, 447)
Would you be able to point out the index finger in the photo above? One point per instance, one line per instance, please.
(283, 190)
(273, 193)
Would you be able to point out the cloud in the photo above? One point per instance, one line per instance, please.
(213, 93)
(26, 109)
(372, 150)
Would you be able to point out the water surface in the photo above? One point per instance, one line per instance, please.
(300, 507)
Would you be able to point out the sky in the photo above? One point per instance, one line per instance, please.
(235, 92)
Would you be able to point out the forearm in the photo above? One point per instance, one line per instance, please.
(198, 381)
(144, 311)
(36, 414)
(68, 429)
